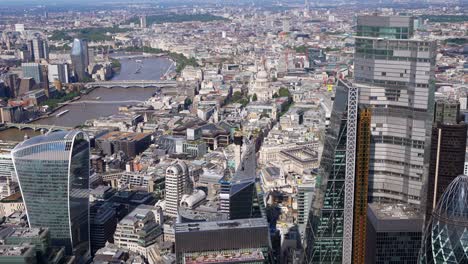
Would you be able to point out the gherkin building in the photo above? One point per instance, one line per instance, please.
(446, 236)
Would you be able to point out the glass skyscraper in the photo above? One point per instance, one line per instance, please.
(53, 174)
(446, 236)
(32, 70)
(395, 76)
(330, 227)
(245, 196)
(79, 57)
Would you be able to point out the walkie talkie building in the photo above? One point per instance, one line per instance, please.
(53, 174)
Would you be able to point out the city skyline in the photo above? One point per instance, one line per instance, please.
(208, 131)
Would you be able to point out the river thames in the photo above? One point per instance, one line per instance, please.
(151, 68)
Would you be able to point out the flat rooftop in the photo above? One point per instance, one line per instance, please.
(220, 225)
(27, 232)
(14, 250)
(394, 218)
(129, 136)
(137, 214)
(226, 256)
(394, 211)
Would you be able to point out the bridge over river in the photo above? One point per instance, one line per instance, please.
(134, 83)
(35, 127)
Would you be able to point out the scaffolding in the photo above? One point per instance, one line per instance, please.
(362, 176)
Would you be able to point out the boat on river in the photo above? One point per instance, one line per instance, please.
(62, 113)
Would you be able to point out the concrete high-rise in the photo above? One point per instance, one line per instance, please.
(448, 148)
(38, 49)
(53, 174)
(85, 52)
(79, 57)
(394, 74)
(143, 21)
(138, 231)
(305, 192)
(177, 182)
(57, 72)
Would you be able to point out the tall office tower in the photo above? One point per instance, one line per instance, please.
(245, 199)
(12, 83)
(57, 72)
(102, 224)
(330, 224)
(78, 57)
(28, 55)
(445, 237)
(231, 241)
(143, 21)
(447, 111)
(286, 25)
(86, 52)
(33, 70)
(394, 74)
(177, 182)
(393, 233)
(39, 50)
(53, 174)
(305, 192)
(448, 147)
(224, 190)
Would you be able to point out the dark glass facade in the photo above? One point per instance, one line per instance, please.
(447, 161)
(393, 234)
(395, 247)
(103, 221)
(325, 227)
(53, 173)
(243, 201)
(245, 194)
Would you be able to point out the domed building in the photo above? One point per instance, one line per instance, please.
(446, 236)
(262, 86)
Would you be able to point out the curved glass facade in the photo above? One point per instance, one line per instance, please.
(78, 58)
(53, 174)
(446, 237)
